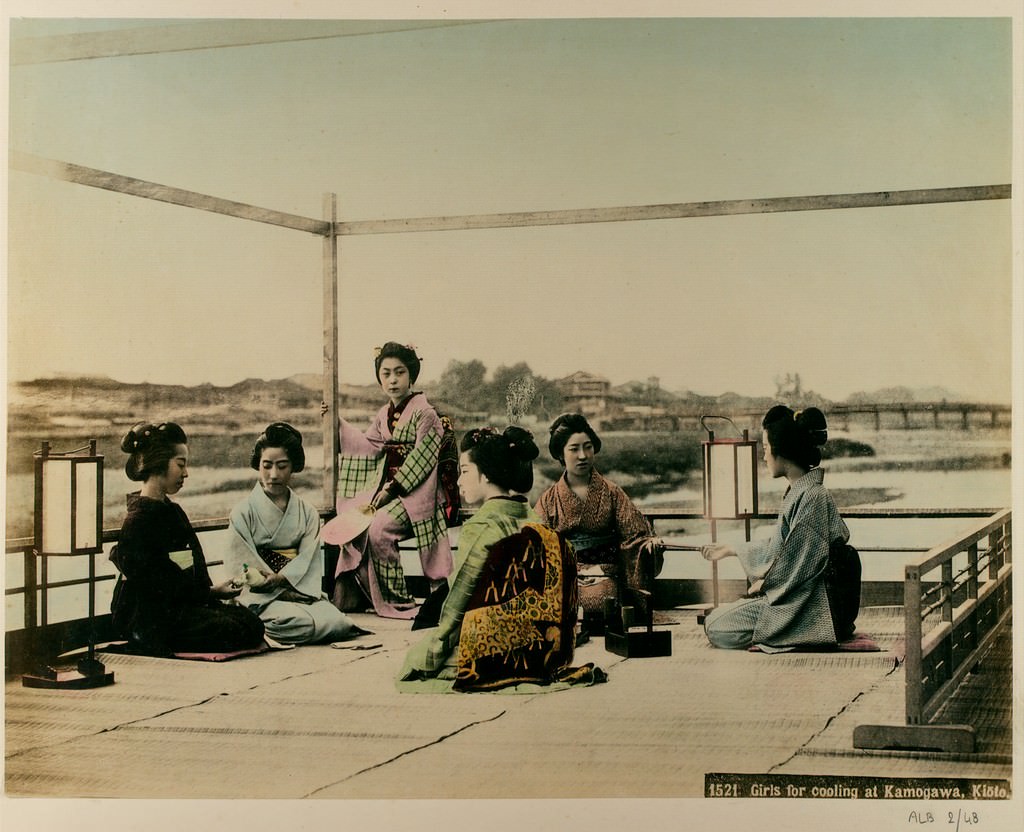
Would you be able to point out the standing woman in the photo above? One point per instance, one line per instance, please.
(787, 604)
(391, 471)
(617, 552)
(276, 543)
(164, 601)
(510, 611)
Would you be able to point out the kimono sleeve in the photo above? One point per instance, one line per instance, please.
(241, 547)
(547, 508)
(430, 654)
(803, 551)
(631, 523)
(142, 557)
(422, 459)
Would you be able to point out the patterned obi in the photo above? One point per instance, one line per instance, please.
(277, 559)
(395, 454)
(594, 549)
(598, 570)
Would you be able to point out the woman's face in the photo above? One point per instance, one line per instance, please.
(394, 379)
(770, 460)
(579, 455)
(275, 471)
(471, 481)
(173, 479)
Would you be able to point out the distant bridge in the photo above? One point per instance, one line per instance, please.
(907, 415)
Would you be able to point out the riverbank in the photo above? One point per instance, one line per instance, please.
(656, 469)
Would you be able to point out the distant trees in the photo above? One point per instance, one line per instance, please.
(514, 391)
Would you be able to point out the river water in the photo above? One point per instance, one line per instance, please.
(984, 488)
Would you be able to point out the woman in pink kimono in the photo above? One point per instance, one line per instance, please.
(390, 471)
(275, 550)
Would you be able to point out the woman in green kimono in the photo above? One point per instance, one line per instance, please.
(787, 604)
(510, 612)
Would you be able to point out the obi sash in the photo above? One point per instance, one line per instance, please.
(277, 559)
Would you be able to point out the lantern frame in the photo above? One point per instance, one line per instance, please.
(78, 538)
(743, 504)
(77, 533)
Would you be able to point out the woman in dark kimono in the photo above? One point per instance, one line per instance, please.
(164, 601)
(787, 604)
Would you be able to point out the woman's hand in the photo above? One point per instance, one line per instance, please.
(717, 551)
(652, 545)
(271, 581)
(381, 497)
(226, 590)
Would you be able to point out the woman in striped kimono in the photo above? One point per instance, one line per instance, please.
(275, 550)
(391, 473)
(618, 554)
(787, 603)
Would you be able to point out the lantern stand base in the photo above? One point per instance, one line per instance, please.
(91, 673)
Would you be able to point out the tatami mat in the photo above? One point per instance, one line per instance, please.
(321, 722)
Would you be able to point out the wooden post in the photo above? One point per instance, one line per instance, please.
(912, 631)
(330, 318)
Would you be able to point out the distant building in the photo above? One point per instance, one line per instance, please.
(586, 393)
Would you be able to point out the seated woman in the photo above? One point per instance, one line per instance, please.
(391, 471)
(164, 601)
(510, 612)
(276, 543)
(787, 604)
(616, 550)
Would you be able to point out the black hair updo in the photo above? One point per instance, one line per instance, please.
(150, 448)
(505, 458)
(284, 436)
(796, 435)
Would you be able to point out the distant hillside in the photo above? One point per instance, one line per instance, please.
(62, 405)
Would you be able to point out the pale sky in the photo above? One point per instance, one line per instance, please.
(524, 115)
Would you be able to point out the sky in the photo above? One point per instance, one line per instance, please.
(529, 115)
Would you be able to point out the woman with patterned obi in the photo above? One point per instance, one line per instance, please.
(390, 472)
(787, 603)
(275, 548)
(616, 550)
(164, 601)
(510, 612)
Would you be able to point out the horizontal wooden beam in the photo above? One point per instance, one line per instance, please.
(677, 210)
(207, 34)
(95, 178)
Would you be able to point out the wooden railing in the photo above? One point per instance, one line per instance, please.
(39, 635)
(951, 622)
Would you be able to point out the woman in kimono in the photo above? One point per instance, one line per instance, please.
(391, 473)
(509, 615)
(275, 548)
(787, 602)
(164, 601)
(616, 550)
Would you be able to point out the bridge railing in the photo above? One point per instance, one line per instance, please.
(957, 600)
